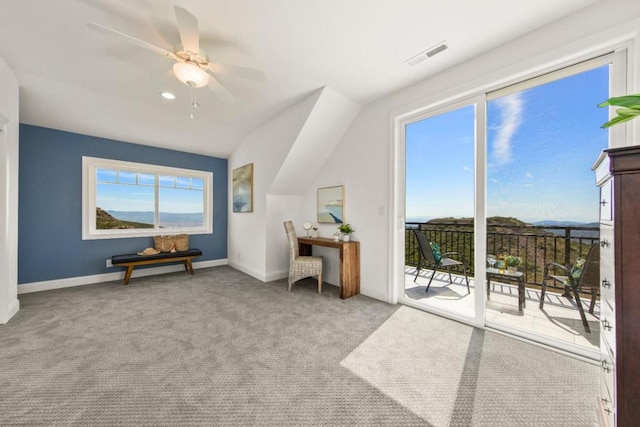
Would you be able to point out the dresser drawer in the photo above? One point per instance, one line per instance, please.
(608, 327)
(607, 285)
(606, 396)
(606, 208)
(606, 243)
(606, 413)
(607, 375)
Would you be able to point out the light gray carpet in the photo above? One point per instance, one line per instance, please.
(221, 348)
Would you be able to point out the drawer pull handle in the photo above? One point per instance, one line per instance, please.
(606, 368)
(604, 243)
(606, 283)
(606, 325)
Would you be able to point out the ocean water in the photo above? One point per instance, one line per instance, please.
(167, 219)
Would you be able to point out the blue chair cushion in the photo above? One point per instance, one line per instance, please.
(437, 255)
(576, 270)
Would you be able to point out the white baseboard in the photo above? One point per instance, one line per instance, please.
(248, 270)
(263, 277)
(14, 307)
(381, 296)
(48, 285)
(277, 275)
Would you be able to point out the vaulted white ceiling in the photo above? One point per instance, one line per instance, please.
(76, 79)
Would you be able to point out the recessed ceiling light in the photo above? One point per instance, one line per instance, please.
(167, 95)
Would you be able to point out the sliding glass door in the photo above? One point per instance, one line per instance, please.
(439, 210)
(498, 189)
(543, 137)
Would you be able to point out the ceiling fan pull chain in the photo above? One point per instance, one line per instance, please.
(192, 100)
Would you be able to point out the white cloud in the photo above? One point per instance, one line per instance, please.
(511, 109)
(494, 180)
(467, 169)
(528, 175)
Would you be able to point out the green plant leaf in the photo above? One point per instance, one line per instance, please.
(627, 112)
(616, 120)
(629, 101)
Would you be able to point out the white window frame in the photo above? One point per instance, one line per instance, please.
(90, 165)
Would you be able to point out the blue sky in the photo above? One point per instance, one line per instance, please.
(541, 144)
(131, 197)
(138, 198)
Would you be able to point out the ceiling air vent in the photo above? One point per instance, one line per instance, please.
(434, 50)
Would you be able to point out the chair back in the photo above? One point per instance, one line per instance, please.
(425, 247)
(293, 240)
(590, 277)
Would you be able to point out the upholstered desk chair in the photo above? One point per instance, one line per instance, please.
(301, 266)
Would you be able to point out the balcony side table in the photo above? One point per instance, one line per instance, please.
(500, 274)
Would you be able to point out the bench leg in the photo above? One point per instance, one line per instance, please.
(127, 275)
(188, 264)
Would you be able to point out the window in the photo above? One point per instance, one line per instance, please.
(125, 199)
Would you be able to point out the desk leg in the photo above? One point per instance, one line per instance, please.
(349, 270)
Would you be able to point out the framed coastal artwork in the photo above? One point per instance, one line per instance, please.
(331, 204)
(243, 188)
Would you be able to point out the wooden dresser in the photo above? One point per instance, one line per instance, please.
(618, 176)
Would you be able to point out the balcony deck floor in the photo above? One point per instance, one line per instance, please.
(560, 318)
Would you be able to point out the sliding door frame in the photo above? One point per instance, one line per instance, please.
(478, 102)
(616, 55)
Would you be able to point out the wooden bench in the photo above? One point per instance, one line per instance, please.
(132, 260)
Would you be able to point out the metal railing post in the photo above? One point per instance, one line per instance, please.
(567, 246)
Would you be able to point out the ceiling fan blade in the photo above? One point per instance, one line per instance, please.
(234, 70)
(220, 90)
(188, 28)
(131, 40)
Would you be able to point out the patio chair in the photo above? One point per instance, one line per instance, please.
(583, 276)
(301, 266)
(430, 253)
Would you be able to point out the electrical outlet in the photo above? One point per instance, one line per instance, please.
(109, 264)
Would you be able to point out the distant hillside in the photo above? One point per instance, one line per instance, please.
(591, 234)
(499, 224)
(104, 221)
(565, 224)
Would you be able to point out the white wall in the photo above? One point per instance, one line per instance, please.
(363, 162)
(280, 209)
(287, 153)
(9, 108)
(267, 148)
(361, 165)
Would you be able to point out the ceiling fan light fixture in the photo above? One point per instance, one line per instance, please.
(190, 74)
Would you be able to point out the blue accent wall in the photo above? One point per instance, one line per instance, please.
(50, 244)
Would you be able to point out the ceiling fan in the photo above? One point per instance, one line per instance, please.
(192, 66)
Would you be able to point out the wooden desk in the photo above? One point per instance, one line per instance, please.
(349, 261)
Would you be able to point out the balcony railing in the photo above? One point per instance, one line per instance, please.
(536, 245)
